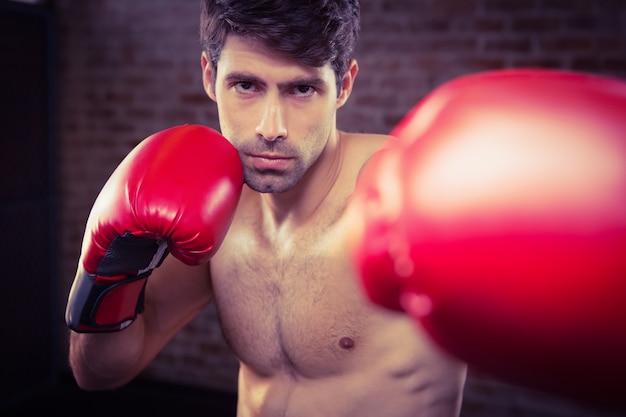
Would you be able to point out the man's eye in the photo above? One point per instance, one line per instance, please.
(304, 90)
(244, 86)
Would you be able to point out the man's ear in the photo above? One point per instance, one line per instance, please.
(347, 82)
(207, 75)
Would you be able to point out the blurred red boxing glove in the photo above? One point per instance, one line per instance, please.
(497, 220)
(176, 192)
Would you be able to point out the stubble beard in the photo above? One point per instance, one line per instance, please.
(275, 181)
(270, 181)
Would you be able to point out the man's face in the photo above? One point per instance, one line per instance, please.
(278, 113)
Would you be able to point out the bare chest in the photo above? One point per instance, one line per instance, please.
(291, 305)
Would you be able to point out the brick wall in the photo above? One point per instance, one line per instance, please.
(130, 68)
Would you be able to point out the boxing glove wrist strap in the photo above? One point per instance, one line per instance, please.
(111, 299)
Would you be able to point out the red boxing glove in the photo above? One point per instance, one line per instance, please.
(176, 192)
(497, 220)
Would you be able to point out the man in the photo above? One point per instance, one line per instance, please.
(308, 341)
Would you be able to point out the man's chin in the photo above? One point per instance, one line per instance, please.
(267, 187)
(271, 181)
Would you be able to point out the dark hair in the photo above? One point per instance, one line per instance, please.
(314, 32)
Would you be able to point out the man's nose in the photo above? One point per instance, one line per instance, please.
(272, 126)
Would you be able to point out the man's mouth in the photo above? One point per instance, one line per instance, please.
(269, 161)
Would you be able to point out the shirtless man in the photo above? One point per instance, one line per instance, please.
(308, 341)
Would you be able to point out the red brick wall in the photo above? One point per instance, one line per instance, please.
(130, 68)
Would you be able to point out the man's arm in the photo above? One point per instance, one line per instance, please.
(174, 295)
(175, 193)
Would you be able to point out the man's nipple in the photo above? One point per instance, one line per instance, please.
(346, 343)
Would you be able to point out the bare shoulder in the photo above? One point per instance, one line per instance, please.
(360, 147)
(364, 144)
